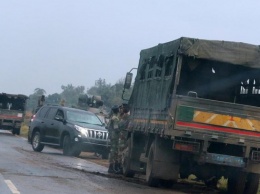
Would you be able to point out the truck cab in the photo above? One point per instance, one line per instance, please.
(12, 111)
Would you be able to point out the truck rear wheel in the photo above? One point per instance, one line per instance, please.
(252, 183)
(151, 180)
(127, 160)
(16, 131)
(236, 183)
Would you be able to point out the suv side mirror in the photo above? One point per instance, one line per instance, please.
(128, 80)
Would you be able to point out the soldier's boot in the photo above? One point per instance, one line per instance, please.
(111, 168)
(118, 168)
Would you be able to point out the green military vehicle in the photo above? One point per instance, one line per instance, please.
(12, 111)
(195, 109)
(93, 104)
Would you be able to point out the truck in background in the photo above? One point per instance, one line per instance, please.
(93, 104)
(195, 109)
(12, 111)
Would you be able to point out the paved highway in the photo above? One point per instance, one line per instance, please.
(23, 171)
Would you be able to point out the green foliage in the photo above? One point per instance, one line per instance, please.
(39, 91)
(110, 94)
(53, 98)
(71, 94)
(32, 102)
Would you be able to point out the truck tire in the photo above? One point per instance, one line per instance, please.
(16, 131)
(236, 183)
(252, 183)
(36, 142)
(126, 160)
(150, 179)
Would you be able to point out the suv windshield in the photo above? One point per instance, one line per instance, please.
(83, 117)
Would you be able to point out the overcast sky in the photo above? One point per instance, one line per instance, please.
(49, 43)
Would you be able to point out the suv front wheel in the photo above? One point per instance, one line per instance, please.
(36, 142)
(68, 148)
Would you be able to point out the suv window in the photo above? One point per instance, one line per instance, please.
(51, 113)
(42, 112)
(59, 114)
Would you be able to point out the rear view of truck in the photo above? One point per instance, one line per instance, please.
(195, 109)
(12, 111)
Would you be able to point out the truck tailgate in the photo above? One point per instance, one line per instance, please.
(215, 116)
(11, 114)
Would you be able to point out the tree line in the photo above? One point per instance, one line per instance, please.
(110, 94)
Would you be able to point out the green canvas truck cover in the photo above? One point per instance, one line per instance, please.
(236, 53)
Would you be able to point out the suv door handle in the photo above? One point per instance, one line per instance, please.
(42, 122)
(52, 124)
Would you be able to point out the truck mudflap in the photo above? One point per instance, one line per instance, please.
(223, 160)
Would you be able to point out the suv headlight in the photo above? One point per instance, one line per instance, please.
(82, 130)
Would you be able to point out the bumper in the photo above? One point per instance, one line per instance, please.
(224, 160)
(93, 145)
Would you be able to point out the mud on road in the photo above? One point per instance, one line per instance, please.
(185, 186)
(181, 186)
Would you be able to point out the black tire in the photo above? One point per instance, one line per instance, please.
(167, 183)
(105, 155)
(152, 182)
(69, 149)
(184, 169)
(236, 183)
(126, 160)
(29, 139)
(252, 183)
(36, 142)
(76, 153)
(16, 131)
(67, 146)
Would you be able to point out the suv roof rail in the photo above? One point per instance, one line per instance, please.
(51, 104)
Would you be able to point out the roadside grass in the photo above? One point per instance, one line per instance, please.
(24, 130)
(25, 127)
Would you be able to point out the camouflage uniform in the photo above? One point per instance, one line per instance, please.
(123, 124)
(123, 133)
(114, 137)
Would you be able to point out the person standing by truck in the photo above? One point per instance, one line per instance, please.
(122, 125)
(114, 137)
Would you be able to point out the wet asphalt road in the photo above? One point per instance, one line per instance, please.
(23, 171)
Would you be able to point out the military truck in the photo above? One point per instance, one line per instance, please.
(89, 101)
(195, 109)
(93, 104)
(12, 111)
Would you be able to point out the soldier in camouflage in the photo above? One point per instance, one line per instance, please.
(114, 137)
(123, 124)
